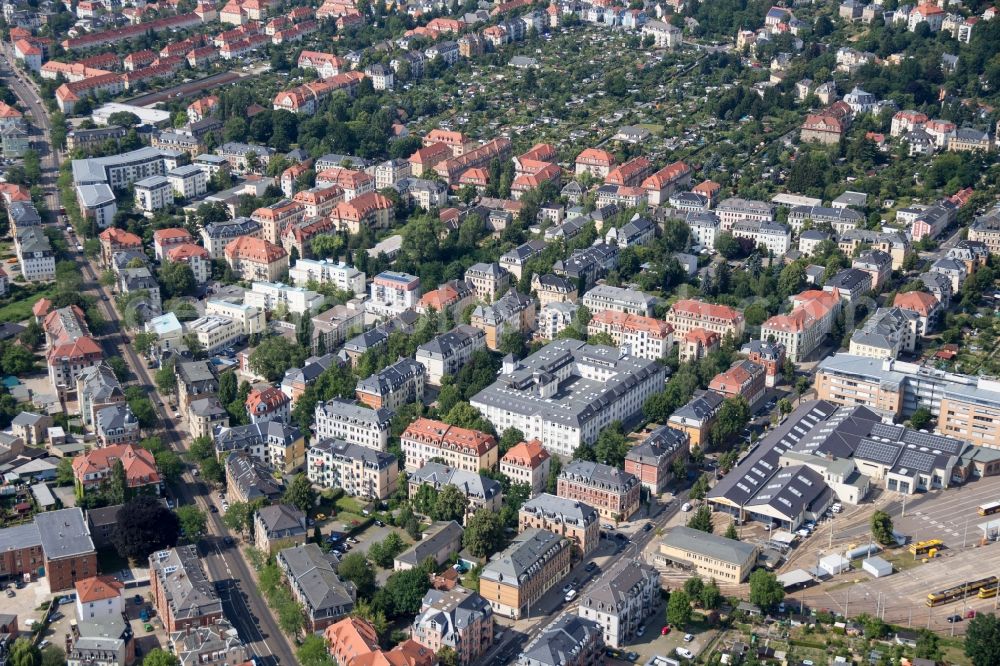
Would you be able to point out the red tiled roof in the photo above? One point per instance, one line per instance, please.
(98, 588)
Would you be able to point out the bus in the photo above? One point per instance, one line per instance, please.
(960, 591)
(988, 592)
(924, 547)
(989, 509)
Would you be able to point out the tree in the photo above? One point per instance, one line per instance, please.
(447, 656)
(24, 653)
(982, 640)
(920, 418)
(274, 355)
(727, 245)
(785, 406)
(882, 528)
(510, 438)
(693, 586)
(702, 519)
(765, 590)
(355, 568)
(699, 488)
(512, 342)
(158, 657)
(193, 521)
(144, 525)
(177, 279)
(118, 485)
(53, 655)
(483, 533)
(300, 493)
(711, 596)
(238, 517)
(406, 590)
(166, 380)
(313, 652)
(450, 504)
(679, 609)
(124, 119)
(227, 387)
(731, 532)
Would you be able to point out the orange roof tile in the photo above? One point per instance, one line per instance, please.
(451, 437)
(526, 454)
(98, 588)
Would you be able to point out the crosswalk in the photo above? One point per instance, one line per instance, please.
(945, 528)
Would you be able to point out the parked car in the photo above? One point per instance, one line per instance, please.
(665, 630)
(570, 596)
(686, 506)
(591, 566)
(688, 638)
(647, 527)
(954, 618)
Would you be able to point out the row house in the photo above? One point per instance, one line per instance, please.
(496, 149)
(307, 97)
(630, 174)
(327, 65)
(359, 470)
(688, 314)
(68, 94)
(733, 210)
(802, 330)
(203, 56)
(533, 179)
(115, 35)
(183, 46)
(243, 46)
(666, 181)
(72, 71)
(645, 337)
(353, 183)
(138, 60)
(457, 142)
(461, 448)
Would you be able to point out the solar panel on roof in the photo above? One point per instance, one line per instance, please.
(876, 451)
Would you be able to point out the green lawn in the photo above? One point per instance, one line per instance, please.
(17, 307)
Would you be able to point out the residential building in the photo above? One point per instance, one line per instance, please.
(215, 332)
(182, 594)
(354, 642)
(393, 387)
(646, 337)
(488, 280)
(697, 343)
(553, 289)
(965, 406)
(569, 641)
(877, 264)
(279, 526)
(205, 415)
(359, 470)
(666, 181)
(256, 259)
(57, 543)
(711, 556)
(217, 235)
(97, 387)
(121, 170)
(622, 601)
(447, 353)
(459, 619)
(276, 445)
(553, 318)
(93, 470)
(927, 308)
(733, 210)
(344, 420)
(886, 333)
(268, 404)
(850, 284)
(391, 293)
(570, 519)
(188, 182)
(605, 297)
(513, 312)
(743, 379)
(116, 424)
(35, 255)
(216, 643)
(194, 256)
(249, 479)
(326, 271)
(598, 163)
(32, 428)
(71, 349)
(775, 237)
(97, 203)
(770, 355)
(613, 492)
(249, 319)
(566, 392)
(687, 314)
(269, 296)
(802, 330)
(312, 577)
(697, 417)
(461, 448)
(98, 597)
(521, 574)
(480, 491)
(529, 463)
(665, 35)
(452, 296)
(652, 461)
(439, 542)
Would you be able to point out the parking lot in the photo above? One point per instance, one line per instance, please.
(26, 600)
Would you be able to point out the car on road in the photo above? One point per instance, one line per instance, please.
(11, 593)
(608, 526)
(686, 507)
(954, 618)
(647, 527)
(352, 540)
(43, 644)
(684, 652)
(971, 613)
(688, 638)
(570, 596)
(640, 632)
(665, 630)
(227, 540)
(631, 656)
(213, 508)
(567, 587)
(591, 566)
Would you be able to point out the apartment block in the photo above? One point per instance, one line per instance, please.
(535, 562)
(571, 519)
(359, 470)
(613, 492)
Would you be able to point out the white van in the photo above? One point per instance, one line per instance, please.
(570, 596)
(684, 652)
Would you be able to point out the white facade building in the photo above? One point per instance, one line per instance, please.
(325, 271)
(269, 295)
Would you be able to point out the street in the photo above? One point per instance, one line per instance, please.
(226, 566)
